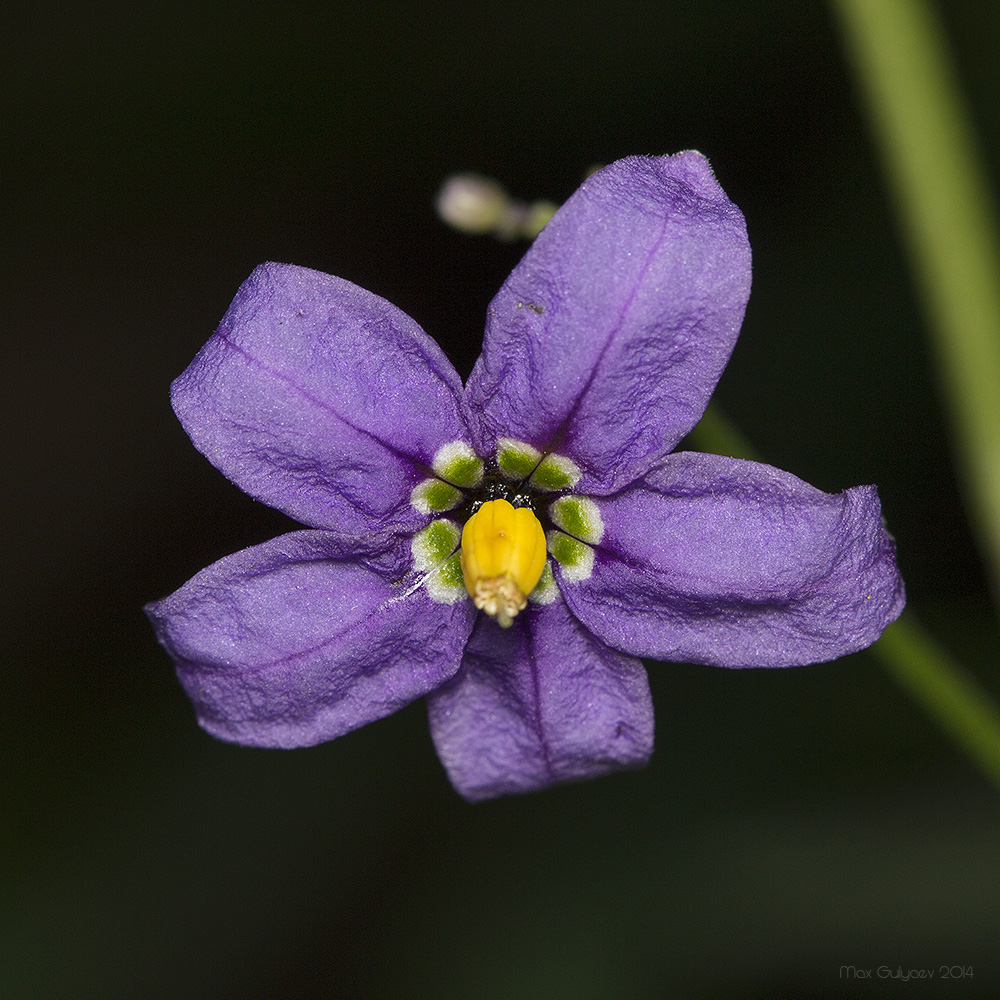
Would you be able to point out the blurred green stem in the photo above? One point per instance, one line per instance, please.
(946, 691)
(949, 222)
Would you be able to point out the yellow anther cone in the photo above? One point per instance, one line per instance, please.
(503, 555)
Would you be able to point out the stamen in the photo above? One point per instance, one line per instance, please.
(500, 597)
(503, 555)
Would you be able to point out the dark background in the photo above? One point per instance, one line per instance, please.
(791, 822)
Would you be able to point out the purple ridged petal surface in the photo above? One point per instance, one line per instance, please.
(307, 637)
(608, 338)
(540, 703)
(320, 399)
(732, 563)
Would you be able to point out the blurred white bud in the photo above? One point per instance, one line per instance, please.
(475, 204)
(471, 203)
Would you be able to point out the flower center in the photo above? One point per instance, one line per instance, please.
(503, 555)
(506, 516)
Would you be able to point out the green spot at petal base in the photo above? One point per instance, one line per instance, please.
(445, 584)
(566, 550)
(434, 544)
(575, 557)
(463, 471)
(457, 463)
(578, 516)
(451, 572)
(556, 472)
(517, 460)
(433, 495)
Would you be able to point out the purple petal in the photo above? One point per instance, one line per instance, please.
(607, 340)
(540, 703)
(321, 399)
(715, 560)
(306, 637)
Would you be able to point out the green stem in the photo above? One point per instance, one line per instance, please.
(949, 223)
(946, 691)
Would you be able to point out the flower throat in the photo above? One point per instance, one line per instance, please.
(504, 518)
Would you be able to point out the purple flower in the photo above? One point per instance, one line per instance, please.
(601, 351)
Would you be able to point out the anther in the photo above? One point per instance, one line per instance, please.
(503, 555)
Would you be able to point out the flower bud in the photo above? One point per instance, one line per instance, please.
(471, 203)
